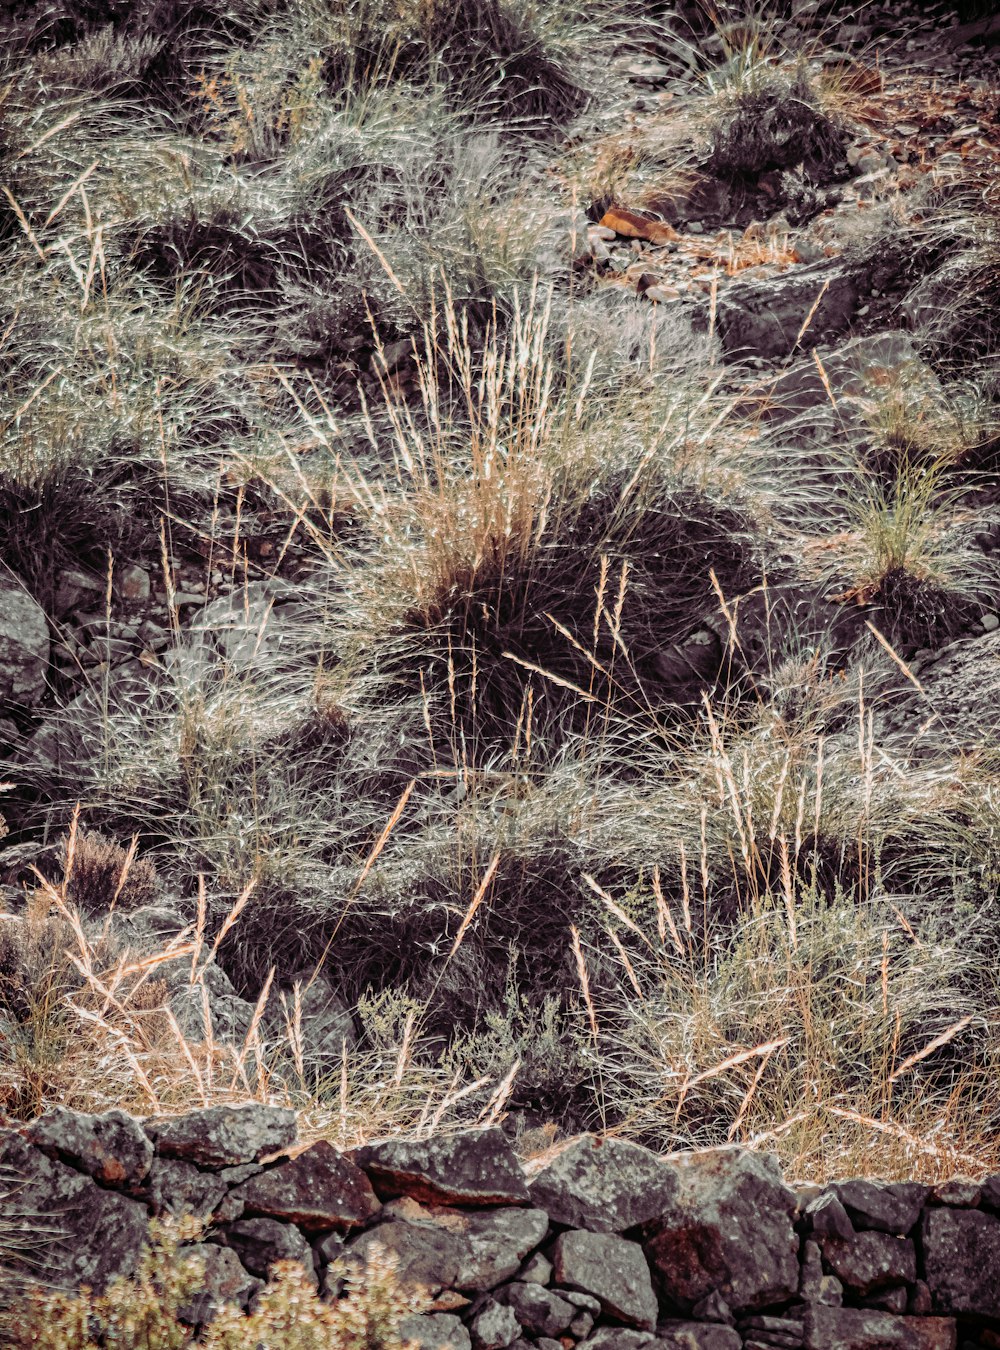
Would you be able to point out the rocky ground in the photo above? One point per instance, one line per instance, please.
(334, 794)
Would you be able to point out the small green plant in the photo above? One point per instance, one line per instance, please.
(152, 1310)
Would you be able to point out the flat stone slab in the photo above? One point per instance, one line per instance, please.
(319, 1189)
(223, 1136)
(475, 1167)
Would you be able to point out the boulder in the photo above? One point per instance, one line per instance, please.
(730, 1228)
(541, 1312)
(887, 1207)
(870, 1261)
(764, 316)
(259, 1243)
(318, 1190)
(475, 1167)
(612, 1270)
(427, 1259)
(223, 1280)
(326, 1023)
(962, 1260)
(176, 1187)
(223, 1136)
(81, 1233)
(494, 1244)
(868, 1329)
(604, 1185)
(494, 1327)
(113, 1148)
(433, 1331)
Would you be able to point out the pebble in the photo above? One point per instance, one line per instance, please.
(990, 622)
(601, 232)
(695, 227)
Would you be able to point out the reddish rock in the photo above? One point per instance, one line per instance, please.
(318, 1190)
(729, 1229)
(476, 1167)
(962, 1260)
(113, 1148)
(867, 1329)
(604, 1185)
(224, 1136)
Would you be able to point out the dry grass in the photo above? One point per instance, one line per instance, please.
(534, 731)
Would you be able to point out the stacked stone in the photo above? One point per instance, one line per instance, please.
(598, 1244)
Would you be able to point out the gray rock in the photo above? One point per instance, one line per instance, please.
(610, 1269)
(604, 1185)
(475, 1167)
(325, 1020)
(675, 1335)
(763, 317)
(962, 1260)
(541, 1312)
(494, 1327)
(176, 1187)
(133, 584)
(81, 1233)
(868, 1329)
(888, 1208)
(870, 1261)
(618, 1338)
(259, 1243)
(223, 1281)
(729, 1229)
(223, 1136)
(74, 588)
(24, 644)
(434, 1331)
(112, 1148)
(829, 1218)
(73, 736)
(427, 1258)
(959, 1193)
(536, 1270)
(713, 1308)
(494, 1245)
(319, 1189)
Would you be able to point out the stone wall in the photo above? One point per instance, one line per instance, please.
(598, 1244)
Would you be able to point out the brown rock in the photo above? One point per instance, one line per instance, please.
(111, 1147)
(867, 1329)
(224, 1136)
(870, 1261)
(730, 1229)
(958, 1192)
(604, 1185)
(611, 1269)
(476, 1167)
(318, 1190)
(962, 1260)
